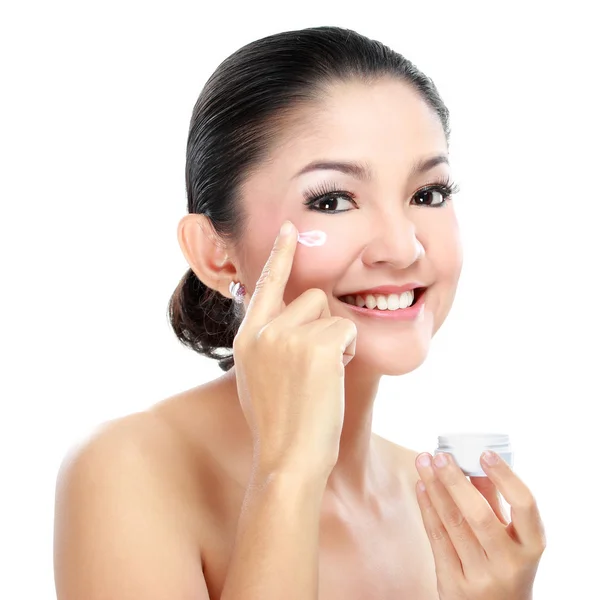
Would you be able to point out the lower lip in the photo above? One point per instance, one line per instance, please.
(402, 314)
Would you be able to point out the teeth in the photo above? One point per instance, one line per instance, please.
(393, 302)
(381, 302)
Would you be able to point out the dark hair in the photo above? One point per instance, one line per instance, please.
(235, 124)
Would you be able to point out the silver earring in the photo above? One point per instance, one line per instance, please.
(237, 290)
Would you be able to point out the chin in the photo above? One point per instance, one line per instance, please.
(398, 358)
(406, 366)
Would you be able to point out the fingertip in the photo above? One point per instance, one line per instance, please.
(422, 496)
(287, 229)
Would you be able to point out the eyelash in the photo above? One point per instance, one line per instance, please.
(328, 191)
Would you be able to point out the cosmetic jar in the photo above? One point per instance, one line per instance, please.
(466, 449)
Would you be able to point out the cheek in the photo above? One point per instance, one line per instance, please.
(317, 267)
(445, 251)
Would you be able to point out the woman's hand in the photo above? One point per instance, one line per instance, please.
(289, 364)
(478, 555)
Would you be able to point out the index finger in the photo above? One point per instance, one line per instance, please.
(267, 300)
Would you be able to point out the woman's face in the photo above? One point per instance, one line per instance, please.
(375, 225)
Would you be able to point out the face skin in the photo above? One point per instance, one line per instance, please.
(387, 127)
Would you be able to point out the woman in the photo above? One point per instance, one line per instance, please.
(268, 482)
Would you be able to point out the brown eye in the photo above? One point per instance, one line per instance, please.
(430, 197)
(330, 203)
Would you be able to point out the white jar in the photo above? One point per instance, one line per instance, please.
(466, 449)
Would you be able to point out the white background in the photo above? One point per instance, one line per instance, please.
(96, 100)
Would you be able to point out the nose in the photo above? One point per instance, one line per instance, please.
(393, 241)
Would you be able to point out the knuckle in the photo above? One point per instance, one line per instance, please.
(536, 551)
(540, 550)
(295, 343)
(240, 343)
(316, 295)
(438, 534)
(455, 518)
(528, 503)
(350, 326)
(482, 586)
(512, 570)
(483, 521)
(267, 275)
(266, 337)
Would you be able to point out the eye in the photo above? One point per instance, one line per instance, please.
(329, 203)
(430, 197)
(435, 195)
(329, 198)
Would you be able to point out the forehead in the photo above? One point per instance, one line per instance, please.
(386, 124)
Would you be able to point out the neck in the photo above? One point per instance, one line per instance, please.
(355, 473)
(357, 465)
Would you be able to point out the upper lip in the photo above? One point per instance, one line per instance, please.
(385, 290)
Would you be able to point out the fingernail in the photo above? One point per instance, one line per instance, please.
(440, 460)
(490, 457)
(286, 228)
(424, 460)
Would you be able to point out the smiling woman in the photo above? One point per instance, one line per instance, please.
(268, 481)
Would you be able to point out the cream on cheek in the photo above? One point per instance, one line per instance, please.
(312, 238)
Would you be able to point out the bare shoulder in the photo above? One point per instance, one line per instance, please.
(124, 527)
(139, 444)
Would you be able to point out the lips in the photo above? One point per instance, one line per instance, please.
(406, 306)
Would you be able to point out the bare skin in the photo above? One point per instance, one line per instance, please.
(369, 547)
(198, 445)
(149, 506)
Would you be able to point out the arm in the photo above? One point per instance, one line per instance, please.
(276, 548)
(118, 532)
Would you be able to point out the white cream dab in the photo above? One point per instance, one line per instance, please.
(312, 238)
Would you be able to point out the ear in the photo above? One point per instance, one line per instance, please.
(206, 253)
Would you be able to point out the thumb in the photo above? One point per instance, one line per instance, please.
(490, 492)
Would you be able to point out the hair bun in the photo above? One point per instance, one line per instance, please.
(204, 320)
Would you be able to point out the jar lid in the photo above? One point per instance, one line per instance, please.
(466, 449)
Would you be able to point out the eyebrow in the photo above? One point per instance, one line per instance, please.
(362, 171)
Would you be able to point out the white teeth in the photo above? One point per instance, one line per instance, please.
(389, 302)
(406, 299)
(393, 302)
(370, 301)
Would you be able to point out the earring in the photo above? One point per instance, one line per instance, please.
(238, 291)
